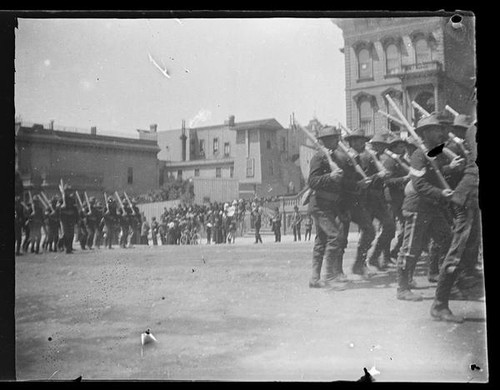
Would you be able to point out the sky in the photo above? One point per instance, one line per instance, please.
(107, 72)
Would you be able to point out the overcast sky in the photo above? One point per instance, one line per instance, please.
(97, 72)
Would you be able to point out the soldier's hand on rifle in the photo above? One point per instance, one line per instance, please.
(383, 174)
(447, 193)
(336, 174)
(364, 183)
(457, 162)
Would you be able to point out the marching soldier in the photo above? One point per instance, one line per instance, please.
(69, 218)
(99, 212)
(53, 224)
(91, 221)
(378, 201)
(354, 189)
(424, 207)
(20, 220)
(82, 226)
(109, 221)
(398, 168)
(296, 221)
(465, 243)
(325, 208)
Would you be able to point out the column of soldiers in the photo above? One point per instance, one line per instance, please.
(387, 181)
(96, 224)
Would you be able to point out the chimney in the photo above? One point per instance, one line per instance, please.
(93, 130)
(183, 138)
(51, 126)
(153, 128)
(231, 121)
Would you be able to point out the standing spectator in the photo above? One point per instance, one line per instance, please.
(154, 230)
(208, 226)
(257, 218)
(144, 231)
(20, 219)
(308, 223)
(276, 224)
(296, 221)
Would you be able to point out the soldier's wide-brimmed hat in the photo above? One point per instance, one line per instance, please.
(462, 122)
(433, 120)
(380, 138)
(328, 131)
(357, 133)
(395, 139)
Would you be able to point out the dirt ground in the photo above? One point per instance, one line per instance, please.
(240, 312)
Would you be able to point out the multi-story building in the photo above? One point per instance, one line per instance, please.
(87, 161)
(254, 155)
(429, 60)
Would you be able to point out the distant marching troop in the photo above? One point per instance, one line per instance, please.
(427, 182)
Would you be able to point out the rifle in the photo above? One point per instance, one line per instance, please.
(87, 200)
(449, 109)
(79, 200)
(129, 202)
(395, 157)
(47, 200)
(420, 108)
(119, 201)
(42, 201)
(421, 144)
(61, 188)
(389, 116)
(333, 166)
(106, 202)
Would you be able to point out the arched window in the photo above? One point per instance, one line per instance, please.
(392, 59)
(423, 52)
(366, 115)
(364, 64)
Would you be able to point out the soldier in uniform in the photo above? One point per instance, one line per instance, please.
(397, 178)
(354, 198)
(69, 218)
(91, 222)
(99, 212)
(464, 248)
(53, 224)
(378, 202)
(20, 220)
(82, 226)
(109, 219)
(424, 207)
(325, 208)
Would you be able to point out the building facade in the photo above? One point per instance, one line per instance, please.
(87, 161)
(423, 59)
(255, 153)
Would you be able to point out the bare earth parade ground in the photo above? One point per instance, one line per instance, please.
(239, 312)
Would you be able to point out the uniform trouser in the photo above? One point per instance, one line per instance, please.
(296, 233)
(26, 241)
(277, 234)
(90, 227)
(328, 245)
(418, 225)
(209, 234)
(68, 235)
(110, 233)
(18, 232)
(53, 233)
(361, 216)
(463, 251)
(307, 234)
(124, 235)
(82, 235)
(379, 210)
(258, 238)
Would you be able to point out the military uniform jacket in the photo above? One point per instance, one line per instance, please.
(396, 180)
(377, 186)
(327, 191)
(427, 196)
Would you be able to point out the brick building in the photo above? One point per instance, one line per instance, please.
(426, 59)
(88, 161)
(255, 153)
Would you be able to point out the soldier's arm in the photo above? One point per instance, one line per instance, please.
(392, 179)
(319, 174)
(419, 176)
